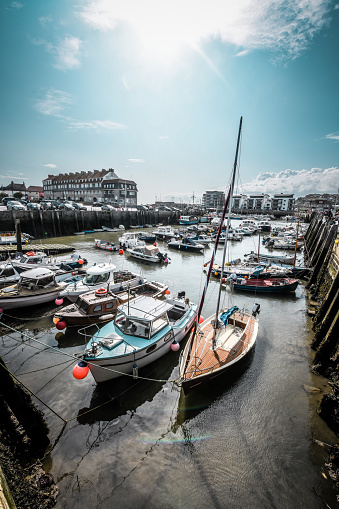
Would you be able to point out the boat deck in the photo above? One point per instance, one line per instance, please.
(231, 343)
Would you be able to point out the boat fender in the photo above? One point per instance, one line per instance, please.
(135, 370)
(109, 316)
(101, 291)
(30, 253)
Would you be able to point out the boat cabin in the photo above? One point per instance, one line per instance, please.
(188, 220)
(37, 279)
(143, 317)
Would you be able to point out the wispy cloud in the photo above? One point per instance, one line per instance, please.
(98, 125)
(333, 136)
(45, 21)
(55, 102)
(14, 176)
(137, 160)
(16, 5)
(284, 27)
(50, 165)
(243, 53)
(66, 52)
(299, 182)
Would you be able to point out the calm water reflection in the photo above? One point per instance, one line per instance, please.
(245, 442)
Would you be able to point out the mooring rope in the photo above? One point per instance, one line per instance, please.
(76, 358)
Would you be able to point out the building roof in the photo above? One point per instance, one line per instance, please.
(35, 189)
(15, 187)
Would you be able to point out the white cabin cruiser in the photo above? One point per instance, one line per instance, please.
(103, 275)
(130, 239)
(165, 232)
(35, 286)
(147, 254)
(143, 331)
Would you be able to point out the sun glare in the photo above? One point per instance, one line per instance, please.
(162, 40)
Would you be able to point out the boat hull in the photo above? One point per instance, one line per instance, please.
(123, 365)
(17, 301)
(195, 373)
(258, 287)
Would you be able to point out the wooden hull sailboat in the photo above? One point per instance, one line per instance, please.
(226, 337)
(234, 340)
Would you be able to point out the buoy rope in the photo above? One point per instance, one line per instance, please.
(46, 315)
(76, 358)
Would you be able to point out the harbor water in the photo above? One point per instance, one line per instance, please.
(248, 441)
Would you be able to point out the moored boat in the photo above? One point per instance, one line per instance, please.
(130, 239)
(163, 232)
(188, 220)
(262, 285)
(36, 286)
(143, 331)
(103, 275)
(225, 338)
(148, 254)
(100, 306)
(105, 246)
(186, 244)
(261, 257)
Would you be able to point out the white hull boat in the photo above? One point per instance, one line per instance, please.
(143, 331)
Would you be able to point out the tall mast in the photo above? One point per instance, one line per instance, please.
(296, 246)
(227, 229)
(227, 202)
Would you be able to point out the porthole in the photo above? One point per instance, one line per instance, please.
(151, 348)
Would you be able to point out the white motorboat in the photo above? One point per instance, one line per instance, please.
(36, 286)
(103, 275)
(186, 244)
(147, 254)
(31, 259)
(165, 232)
(130, 239)
(144, 330)
(201, 239)
(283, 259)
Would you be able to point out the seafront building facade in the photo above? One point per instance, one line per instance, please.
(213, 199)
(102, 186)
(263, 203)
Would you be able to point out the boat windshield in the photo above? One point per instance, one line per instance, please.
(96, 279)
(132, 326)
(82, 304)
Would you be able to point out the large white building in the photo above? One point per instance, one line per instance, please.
(90, 187)
(283, 202)
(255, 202)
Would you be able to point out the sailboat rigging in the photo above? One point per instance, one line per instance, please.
(228, 335)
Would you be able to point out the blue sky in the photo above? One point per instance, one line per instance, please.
(155, 90)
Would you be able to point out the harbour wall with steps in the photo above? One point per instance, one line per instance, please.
(57, 223)
(322, 253)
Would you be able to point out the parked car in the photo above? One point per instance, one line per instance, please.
(107, 207)
(15, 205)
(47, 205)
(142, 207)
(33, 206)
(66, 206)
(78, 206)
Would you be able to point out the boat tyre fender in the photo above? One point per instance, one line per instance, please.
(101, 291)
